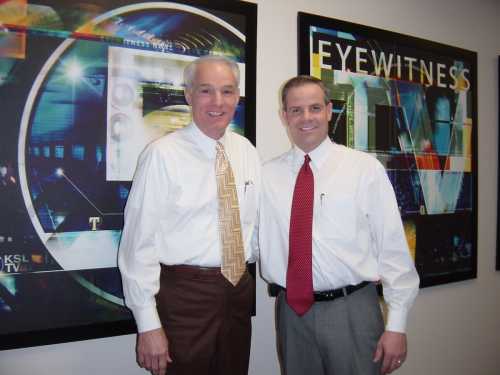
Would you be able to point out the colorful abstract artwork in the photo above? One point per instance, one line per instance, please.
(411, 103)
(84, 87)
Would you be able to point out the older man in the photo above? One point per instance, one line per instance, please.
(330, 228)
(189, 221)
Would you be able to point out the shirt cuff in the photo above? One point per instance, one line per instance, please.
(146, 319)
(396, 321)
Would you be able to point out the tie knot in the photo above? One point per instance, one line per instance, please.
(307, 159)
(219, 147)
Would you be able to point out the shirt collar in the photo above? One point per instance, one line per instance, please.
(204, 142)
(318, 156)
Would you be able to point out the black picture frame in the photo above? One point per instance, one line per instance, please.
(42, 302)
(497, 265)
(412, 103)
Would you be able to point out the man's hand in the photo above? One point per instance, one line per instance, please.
(152, 351)
(391, 349)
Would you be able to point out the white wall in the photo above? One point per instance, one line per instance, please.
(454, 329)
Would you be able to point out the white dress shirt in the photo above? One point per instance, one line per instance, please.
(357, 230)
(171, 216)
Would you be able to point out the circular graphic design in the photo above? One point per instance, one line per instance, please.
(96, 103)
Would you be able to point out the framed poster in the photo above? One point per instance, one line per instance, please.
(412, 104)
(83, 88)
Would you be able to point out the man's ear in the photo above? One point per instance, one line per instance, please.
(283, 117)
(329, 109)
(188, 95)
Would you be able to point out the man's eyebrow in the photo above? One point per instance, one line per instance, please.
(210, 85)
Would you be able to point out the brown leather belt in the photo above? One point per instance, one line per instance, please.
(192, 270)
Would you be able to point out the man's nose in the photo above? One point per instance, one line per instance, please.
(306, 115)
(217, 97)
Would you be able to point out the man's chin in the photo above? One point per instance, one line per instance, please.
(214, 130)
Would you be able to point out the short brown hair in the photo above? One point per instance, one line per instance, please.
(301, 81)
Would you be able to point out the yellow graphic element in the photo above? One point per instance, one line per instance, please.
(169, 118)
(315, 68)
(13, 12)
(37, 258)
(12, 43)
(411, 237)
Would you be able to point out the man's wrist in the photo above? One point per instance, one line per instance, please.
(146, 319)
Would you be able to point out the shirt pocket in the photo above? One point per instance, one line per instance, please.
(247, 200)
(337, 216)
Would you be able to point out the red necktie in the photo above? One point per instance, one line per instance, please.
(299, 285)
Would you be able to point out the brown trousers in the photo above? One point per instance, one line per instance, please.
(207, 320)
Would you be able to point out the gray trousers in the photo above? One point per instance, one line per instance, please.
(336, 337)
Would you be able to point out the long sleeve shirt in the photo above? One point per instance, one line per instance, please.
(171, 216)
(357, 229)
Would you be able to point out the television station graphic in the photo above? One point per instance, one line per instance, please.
(84, 89)
(412, 108)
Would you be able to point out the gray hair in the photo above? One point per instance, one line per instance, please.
(190, 69)
(301, 81)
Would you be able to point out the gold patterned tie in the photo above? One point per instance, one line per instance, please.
(233, 254)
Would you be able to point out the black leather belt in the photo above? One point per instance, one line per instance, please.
(327, 295)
